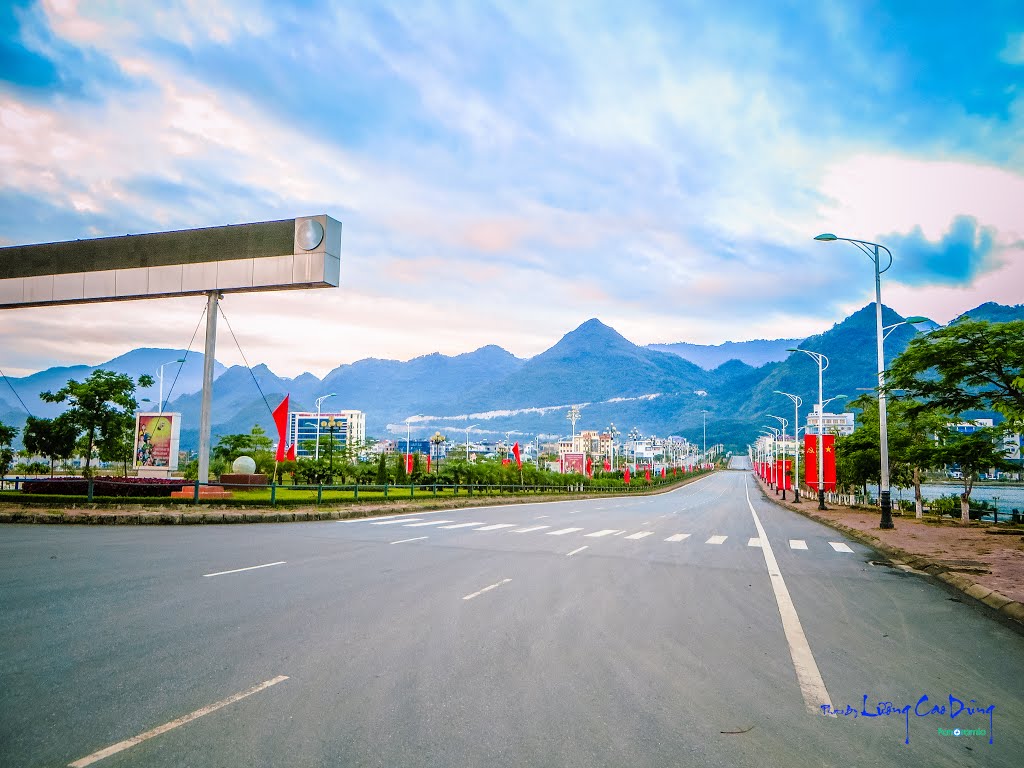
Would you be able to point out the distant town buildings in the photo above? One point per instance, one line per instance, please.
(834, 423)
(304, 428)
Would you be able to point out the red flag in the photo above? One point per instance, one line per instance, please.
(291, 452)
(663, 472)
(408, 463)
(428, 463)
(811, 463)
(625, 476)
(647, 475)
(829, 447)
(590, 467)
(515, 452)
(607, 466)
(281, 421)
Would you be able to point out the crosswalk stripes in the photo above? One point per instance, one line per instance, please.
(476, 525)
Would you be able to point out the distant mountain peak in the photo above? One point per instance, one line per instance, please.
(592, 332)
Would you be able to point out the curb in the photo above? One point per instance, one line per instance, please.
(1011, 610)
(243, 515)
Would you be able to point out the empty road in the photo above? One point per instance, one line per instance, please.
(701, 627)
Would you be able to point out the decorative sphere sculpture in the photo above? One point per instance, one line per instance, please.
(243, 465)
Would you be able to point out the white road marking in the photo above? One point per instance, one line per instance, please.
(397, 521)
(605, 532)
(541, 517)
(127, 743)
(460, 525)
(563, 531)
(797, 544)
(487, 589)
(570, 554)
(403, 541)
(429, 522)
(531, 528)
(239, 570)
(678, 537)
(640, 534)
(716, 540)
(809, 678)
(754, 543)
(839, 546)
(496, 526)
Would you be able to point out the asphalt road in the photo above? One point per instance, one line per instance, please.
(408, 641)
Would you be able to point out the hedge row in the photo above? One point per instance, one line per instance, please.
(127, 487)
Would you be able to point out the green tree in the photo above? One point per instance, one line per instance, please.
(401, 475)
(7, 435)
(968, 365)
(382, 470)
(976, 452)
(116, 443)
(51, 438)
(97, 407)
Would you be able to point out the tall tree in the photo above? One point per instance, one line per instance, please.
(7, 435)
(51, 438)
(97, 406)
(968, 365)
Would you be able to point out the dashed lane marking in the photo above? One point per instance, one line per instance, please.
(128, 743)
(563, 531)
(403, 541)
(496, 526)
(605, 532)
(531, 528)
(754, 542)
(239, 570)
(839, 546)
(640, 534)
(716, 540)
(428, 522)
(486, 589)
(397, 521)
(678, 537)
(570, 554)
(460, 525)
(797, 544)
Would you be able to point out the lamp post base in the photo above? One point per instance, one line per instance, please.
(821, 498)
(886, 501)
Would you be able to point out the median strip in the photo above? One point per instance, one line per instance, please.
(127, 743)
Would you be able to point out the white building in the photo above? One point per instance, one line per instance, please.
(834, 423)
(349, 429)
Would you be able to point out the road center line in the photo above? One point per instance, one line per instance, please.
(403, 541)
(809, 678)
(123, 745)
(486, 589)
(570, 554)
(239, 570)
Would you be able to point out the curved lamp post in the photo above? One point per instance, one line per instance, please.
(435, 447)
(822, 365)
(781, 477)
(160, 376)
(873, 252)
(319, 400)
(471, 426)
(797, 402)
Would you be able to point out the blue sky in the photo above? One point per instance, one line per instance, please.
(505, 171)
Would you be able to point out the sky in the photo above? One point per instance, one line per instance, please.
(505, 171)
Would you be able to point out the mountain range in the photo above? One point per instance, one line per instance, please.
(658, 389)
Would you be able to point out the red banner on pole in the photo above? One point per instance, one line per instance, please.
(408, 463)
(783, 472)
(829, 447)
(625, 476)
(515, 452)
(281, 422)
(811, 460)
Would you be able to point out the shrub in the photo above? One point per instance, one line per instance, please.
(107, 486)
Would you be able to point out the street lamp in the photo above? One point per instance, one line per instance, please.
(612, 431)
(330, 425)
(773, 433)
(435, 447)
(316, 450)
(160, 376)
(822, 365)
(781, 476)
(705, 414)
(871, 250)
(797, 402)
(467, 440)
(573, 416)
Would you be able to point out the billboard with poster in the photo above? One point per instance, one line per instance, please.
(156, 440)
(573, 463)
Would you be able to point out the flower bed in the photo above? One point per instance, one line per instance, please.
(104, 486)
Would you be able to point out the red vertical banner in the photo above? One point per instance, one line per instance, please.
(785, 469)
(829, 447)
(281, 422)
(625, 476)
(647, 475)
(515, 452)
(811, 460)
(428, 463)
(590, 466)
(408, 463)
